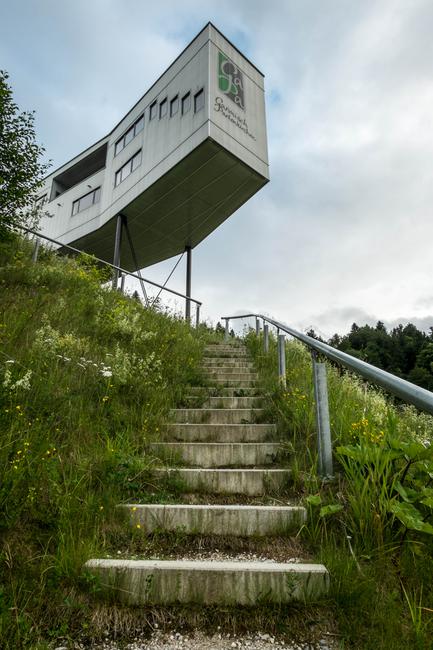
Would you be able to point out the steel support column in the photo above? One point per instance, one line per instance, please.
(117, 247)
(188, 250)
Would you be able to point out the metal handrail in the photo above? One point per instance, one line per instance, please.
(113, 266)
(405, 390)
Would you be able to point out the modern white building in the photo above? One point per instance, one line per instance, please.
(190, 152)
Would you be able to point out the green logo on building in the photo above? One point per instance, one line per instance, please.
(230, 80)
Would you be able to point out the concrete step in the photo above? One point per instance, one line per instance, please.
(229, 372)
(221, 432)
(215, 362)
(142, 582)
(216, 416)
(219, 454)
(220, 353)
(230, 402)
(223, 391)
(225, 372)
(251, 482)
(230, 520)
(232, 381)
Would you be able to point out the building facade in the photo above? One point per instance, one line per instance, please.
(182, 160)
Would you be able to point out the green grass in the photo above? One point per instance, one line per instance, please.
(373, 525)
(87, 377)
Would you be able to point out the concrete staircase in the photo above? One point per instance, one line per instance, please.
(222, 448)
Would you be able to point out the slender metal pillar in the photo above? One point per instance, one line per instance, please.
(36, 250)
(122, 282)
(282, 359)
(324, 443)
(197, 314)
(226, 330)
(188, 282)
(117, 247)
(265, 338)
(257, 326)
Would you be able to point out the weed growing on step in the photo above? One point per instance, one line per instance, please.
(373, 525)
(87, 377)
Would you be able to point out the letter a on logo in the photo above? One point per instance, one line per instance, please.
(230, 80)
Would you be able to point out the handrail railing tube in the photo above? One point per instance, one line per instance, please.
(113, 266)
(405, 390)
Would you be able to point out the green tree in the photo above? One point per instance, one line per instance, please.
(21, 169)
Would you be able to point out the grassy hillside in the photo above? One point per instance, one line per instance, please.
(86, 376)
(373, 525)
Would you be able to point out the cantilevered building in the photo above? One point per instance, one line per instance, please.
(183, 159)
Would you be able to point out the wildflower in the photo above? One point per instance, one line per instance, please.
(106, 373)
(101, 507)
(10, 361)
(138, 526)
(105, 398)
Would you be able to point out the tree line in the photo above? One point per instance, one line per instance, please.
(404, 350)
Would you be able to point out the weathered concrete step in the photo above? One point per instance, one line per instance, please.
(140, 582)
(252, 482)
(231, 520)
(215, 362)
(223, 391)
(240, 384)
(220, 354)
(230, 402)
(219, 454)
(224, 373)
(221, 432)
(216, 416)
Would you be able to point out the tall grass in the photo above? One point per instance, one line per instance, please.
(373, 525)
(87, 377)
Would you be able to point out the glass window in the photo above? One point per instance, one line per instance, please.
(118, 147)
(86, 201)
(136, 161)
(199, 101)
(163, 108)
(127, 168)
(139, 125)
(174, 105)
(152, 110)
(186, 103)
(128, 136)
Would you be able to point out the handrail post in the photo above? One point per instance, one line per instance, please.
(257, 326)
(35, 250)
(282, 359)
(324, 443)
(197, 315)
(122, 282)
(265, 338)
(226, 330)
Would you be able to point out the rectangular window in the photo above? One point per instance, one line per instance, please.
(174, 105)
(139, 125)
(129, 135)
(152, 110)
(199, 101)
(186, 103)
(86, 201)
(163, 108)
(127, 168)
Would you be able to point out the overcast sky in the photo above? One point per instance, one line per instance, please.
(344, 230)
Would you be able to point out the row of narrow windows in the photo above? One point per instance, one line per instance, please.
(176, 103)
(161, 109)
